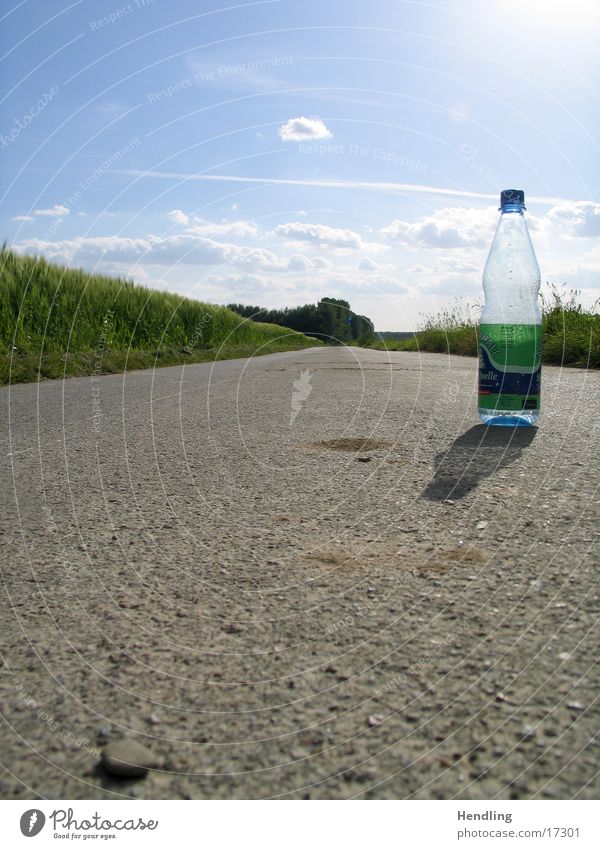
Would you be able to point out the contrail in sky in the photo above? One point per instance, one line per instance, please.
(400, 188)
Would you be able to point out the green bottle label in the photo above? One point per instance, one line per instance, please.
(510, 357)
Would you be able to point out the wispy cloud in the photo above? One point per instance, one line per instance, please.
(56, 211)
(260, 73)
(400, 188)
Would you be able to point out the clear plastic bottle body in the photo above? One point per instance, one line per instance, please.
(510, 322)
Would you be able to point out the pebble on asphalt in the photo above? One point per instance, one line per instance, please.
(127, 759)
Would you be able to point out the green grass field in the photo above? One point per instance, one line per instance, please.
(570, 334)
(57, 322)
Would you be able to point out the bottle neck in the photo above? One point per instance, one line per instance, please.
(511, 278)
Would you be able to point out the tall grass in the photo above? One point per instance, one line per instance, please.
(49, 313)
(570, 333)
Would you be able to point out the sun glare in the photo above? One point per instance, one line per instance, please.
(558, 12)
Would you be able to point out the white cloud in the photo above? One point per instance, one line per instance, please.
(23, 218)
(320, 234)
(223, 228)
(453, 227)
(367, 264)
(247, 287)
(304, 129)
(425, 261)
(55, 211)
(457, 285)
(578, 272)
(187, 249)
(200, 227)
(538, 225)
(473, 227)
(177, 216)
(377, 284)
(298, 262)
(577, 218)
(462, 265)
(456, 274)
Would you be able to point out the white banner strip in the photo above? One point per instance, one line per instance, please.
(297, 825)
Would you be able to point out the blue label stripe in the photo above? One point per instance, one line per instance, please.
(493, 381)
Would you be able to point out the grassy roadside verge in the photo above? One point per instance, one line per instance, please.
(570, 334)
(27, 368)
(58, 322)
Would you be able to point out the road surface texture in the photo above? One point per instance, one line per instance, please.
(304, 575)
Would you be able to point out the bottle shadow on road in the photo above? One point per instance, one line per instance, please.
(477, 454)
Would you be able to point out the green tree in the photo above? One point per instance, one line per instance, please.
(331, 320)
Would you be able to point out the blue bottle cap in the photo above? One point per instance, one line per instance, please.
(512, 197)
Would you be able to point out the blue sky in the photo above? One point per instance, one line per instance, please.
(276, 152)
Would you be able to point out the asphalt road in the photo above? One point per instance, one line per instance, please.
(309, 584)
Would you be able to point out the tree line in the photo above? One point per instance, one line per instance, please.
(331, 320)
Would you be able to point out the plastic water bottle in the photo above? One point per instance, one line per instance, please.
(510, 331)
